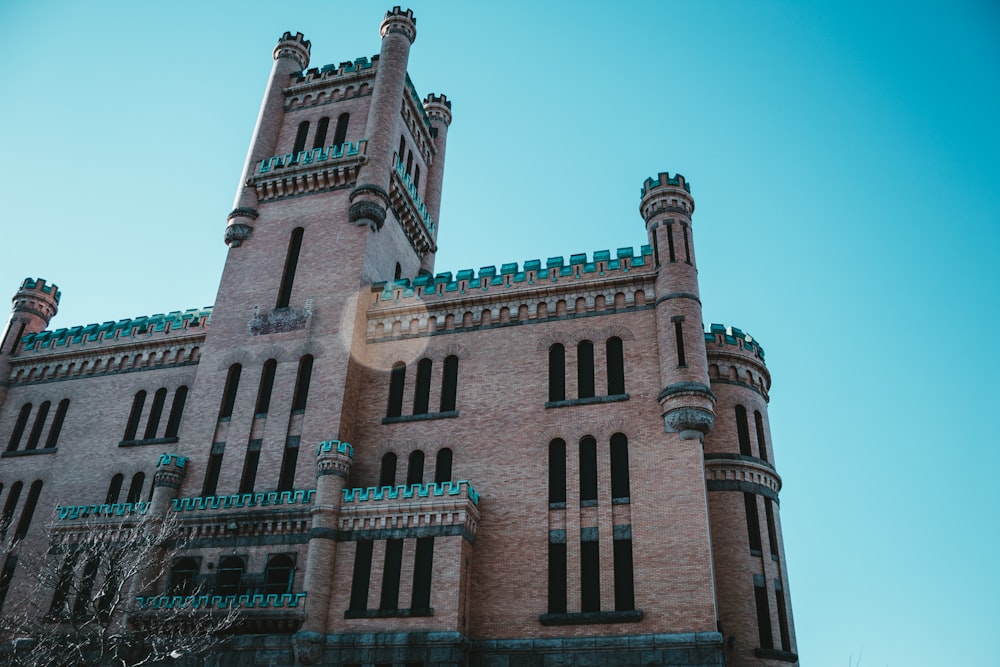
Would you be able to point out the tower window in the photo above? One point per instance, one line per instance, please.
(213, 469)
(387, 471)
(590, 576)
(264, 389)
(421, 396)
(763, 612)
(57, 424)
(758, 421)
(114, 489)
(300, 137)
(557, 373)
(302, 383)
(229, 392)
(288, 274)
(29, 510)
(588, 470)
(250, 462)
(415, 468)
(176, 411)
(624, 578)
(340, 134)
(409, 162)
(361, 576)
(135, 488)
(416, 176)
(786, 639)
(619, 467)
(402, 149)
(772, 529)
(390, 574)
(670, 242)
(22, 421)
(585, 368)
(557, 577)
(687, 244)
(396, 379)
(557, 472)
(753, 522)
(289, 459)
(321, 128)
(155, 412)
(679, 339)
(442, 466)
(36, 429)
(656, 248)
(742, 431)
(8, 509)
(616, 366)
(423, 566)
(449, 383)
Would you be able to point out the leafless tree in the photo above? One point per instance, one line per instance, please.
(76, 605)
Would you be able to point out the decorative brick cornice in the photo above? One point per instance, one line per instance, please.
(741, 471)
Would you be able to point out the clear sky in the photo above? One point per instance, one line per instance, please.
(845, 161)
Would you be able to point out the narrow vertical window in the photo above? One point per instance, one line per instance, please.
(321, 128)
(588, 470)
(585, 368)
(772, 529)
(416, 176)
(398, 273)
(213, 469)
(758, 421)
(114, 489)
(155, 412)
(422, 392)
(288, 274)
(656, 248)
(753, 522)
(17, 337)
(396, 379)
(687, 244)
(264, 389)
(679, 339)
(229, 580)
(442, 466)
(624, 578)
(387, 471)
(29, 510)
(557, 577)
(763, 612)
(557, 473)
(409, 162)
(135, 488)
(300, 137)
(340, 134)
(779, 594)
(5, 577)
(361, 575)
(8, 509)
(132, 425)
(63, 582)
(616, 366)
(557, 373)
(176, 412)
(390, 574)
(250, 462)
(289, 460)
(590, 576)
(619, 468)
(423, 569)
(402, 149)
(229, 392)
(742, 432)
(415, 468)
(670, 242)
(449, 383)
(22, 421)
(302, 383)
(36, 428)
(57, 424)
(83, 602)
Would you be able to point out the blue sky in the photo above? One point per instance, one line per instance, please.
(844, 161)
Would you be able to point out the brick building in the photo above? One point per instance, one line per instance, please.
(546, 463)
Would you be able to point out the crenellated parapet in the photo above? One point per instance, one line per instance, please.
(410, 491)
(210, 602)
(243, 500)
(399, 21)
(735, 356)
(438, 107)
(296, 47)
(329, 72)
(334, 457)
(721, 335)
(134, 328)
(100, 511)
(446, 508)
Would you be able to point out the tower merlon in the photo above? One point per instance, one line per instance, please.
(666, 194)
(294, 46)
(400, 21)
(438, 107)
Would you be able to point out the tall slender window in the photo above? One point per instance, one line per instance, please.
(763, 612)
(772, 529)
(588, 470)
(415, 468)
(390, 574)
(213, 469)
(340, 134)
(557, 576)
(57, 424)
(557, 373)
(422, 392)
(449, 383)
(321, 128)
(590, 575)
(616, 366)
(416, 176)
(264, 389)
(135, 488)
(36, 428)
(397, 377)
(302, 383)
(83, 593)
(753, 522)
(132, 425)
(155, 412)
(679, 339)
(22, 421)
(114, 489)
(8, 509)
(442, 466)
(300, 137)
(423, 567)
(289, 460)
(687, 245)
(176, 412)
(29, 510)
(409, 162)
(624, 578)
(402, 149)
(557, 472)
(229, 392)
(387, 472)
(585, 368)
(742, 432)
(360, 578)
(250, 462)
(5, 577)
(758, 421)
(779, 593)
(619, 467)
(288, 275)
(656, 248)
(279, 573)
(63, 582)
(670, 242)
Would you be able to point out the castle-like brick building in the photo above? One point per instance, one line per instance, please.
(546, 463)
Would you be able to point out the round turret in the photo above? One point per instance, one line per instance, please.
(666, 194)
(294, 46)
(399, 21)
(34, 306)
(438, 108)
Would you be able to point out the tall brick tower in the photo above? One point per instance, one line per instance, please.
(34, 306)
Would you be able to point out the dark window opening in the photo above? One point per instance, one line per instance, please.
(742, 432)
(557, 471)
(302, 383)
(449, 383)
(265, 387)
(679, 338)
(588, 470)
(321, 128)
(340, 134)
(250, 462)
(176, 412)
(300, 137)
(213, 469)
(619, 467)
(423, 567)
(387, 471)
(670, 242)
(5, 577)
(398, 273)
(29, 510)
(753, 522)
(133, 416)
(786, 639)
(397, 377)
(36, 428)
(8, 509)
(763, 615)
(687, 245)
(557, 373)
(409, 162)
(289, 460)
(422, 392)
(557, 578)
(656, 249)
(624, 581)
(229, 391)
(83, 602)
(361, 575)
(590, 576)
(57, 424)
(616, 366)
(758, 421)
(22, 421)
(772, 530)
(415, 468)
(155, 412)
(229, 580)
(279, 574)
(63, 582)
(288, 274)
(402, 149)
(585, 368)
(135, 488)
(114, 489)
(442, 466)
(416, 176)
(390, 574)
(183, 577)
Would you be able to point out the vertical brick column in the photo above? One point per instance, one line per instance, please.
(167, 479)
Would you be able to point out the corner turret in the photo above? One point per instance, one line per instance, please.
(438, 109)
(34, 306)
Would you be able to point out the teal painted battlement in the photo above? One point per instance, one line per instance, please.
(244, 500)
(40, 285)
(721, 334)
(407, 492)
(176, 459)
(412, 189)
(664, 179)
(416, 100)
(145, 325)
(258, 601)
(512, 274)
(332, 71)
(324, 154)
(341, 448)
(73, 512)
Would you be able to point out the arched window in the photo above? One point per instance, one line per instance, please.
(619, 468)
(442, 466)
(387, 472)
(302, 383)
(557, 373)
(264, 389)
(82, 605)
(409, 162)
(588, 470)
(229, 392)
(114, 489)
(57, 424)
(421, 395)
(340, 134)
(416, 176)
(398, 273)
(396, 379)
(29, 510)
(183, 577)
(229, 580)
(278, 575)
(36, 429)
(300, 137)
(321, 128)
(155, 412)
(402, 150)
(585, 368)
(176, 411)
(22, 421)
(132, 425)
(415, 468)
(8, 509)
(616, 366)
(250, 463)
(758, 421)
(557, 472)
(742, 430)
(291, 263)
(449, 383)
(135, 488)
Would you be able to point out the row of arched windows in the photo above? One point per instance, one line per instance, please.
(231, 578)
(585, 376)
(38, 426)
(134, 494)
(422, 387)
(743, 432)
(319, 137)
(27, 511)
(415, 468)
(588, 470)
(155, 415)
(412, 170)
